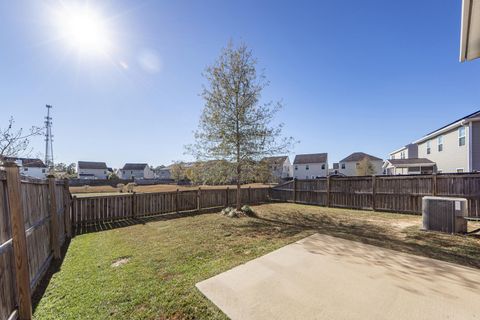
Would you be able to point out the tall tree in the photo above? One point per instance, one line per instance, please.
(235, 126)
(365, 167)
(15, 142)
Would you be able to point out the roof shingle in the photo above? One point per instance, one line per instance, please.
(359, 156)
(310, 158)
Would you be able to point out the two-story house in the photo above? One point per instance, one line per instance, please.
(454, 147)
(279, 166)
(136, 171)
(360, 164)
(310, 166)
(30, 167)
(92, 170)
(451, 148)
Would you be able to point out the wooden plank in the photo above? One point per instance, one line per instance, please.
(53, 218)
(19, 240)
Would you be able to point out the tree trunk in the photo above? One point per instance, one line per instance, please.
(239, 187)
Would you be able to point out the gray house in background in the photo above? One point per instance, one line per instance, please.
(136, 171)
(92, 170)
(163, 173)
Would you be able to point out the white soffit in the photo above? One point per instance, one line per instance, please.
(470, 37)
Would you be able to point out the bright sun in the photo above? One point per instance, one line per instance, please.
(84, 29)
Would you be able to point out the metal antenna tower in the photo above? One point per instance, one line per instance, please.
(48, 140)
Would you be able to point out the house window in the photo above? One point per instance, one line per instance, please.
(402, 155)
(461, 136)
(459, 170)
(25, 169)
(429, 149)
(392, 157)
(323, 166)
(306, 167)
(343, 165)
(440, 143)
(357, 164)
(43, 170)
(296, 167)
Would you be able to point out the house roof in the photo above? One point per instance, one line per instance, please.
(92, 165)
(275, 160)
(310, 158)
(28, 162)
(449, 126)
(359, 156)
(404, 163)
(135, 166)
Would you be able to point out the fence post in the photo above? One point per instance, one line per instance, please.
(176, 201)
(249, 194)
(374, 193)
(134, 205)
(67, 202)
(74, 214)
(199, 194)
(295, 190)
(19, 240)
(53, 218)
(226, 197)
(328, 190)
(434, 184)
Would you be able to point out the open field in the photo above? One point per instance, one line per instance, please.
(104, 190)
(149, 271)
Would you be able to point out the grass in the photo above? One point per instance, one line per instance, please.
(109, 190)
(160, 261)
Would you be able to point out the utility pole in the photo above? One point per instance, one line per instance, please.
(48, 140)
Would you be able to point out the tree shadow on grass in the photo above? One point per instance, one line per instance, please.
(452, 248)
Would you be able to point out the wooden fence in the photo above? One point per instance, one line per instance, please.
(381, 193)
(98, 209)
(34, 223)
(36, 217)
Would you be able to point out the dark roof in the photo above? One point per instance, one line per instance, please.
(134, 166)
(411, 161)
(275, 160)
(336, 165)
(28, 162)
(472, 115)
(310, 158)
(359, 156)
(91, 165)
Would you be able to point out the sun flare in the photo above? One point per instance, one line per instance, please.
(84, 29)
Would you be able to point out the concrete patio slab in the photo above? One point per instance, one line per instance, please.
(322, 277)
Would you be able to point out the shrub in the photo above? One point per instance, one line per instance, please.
(248, 211)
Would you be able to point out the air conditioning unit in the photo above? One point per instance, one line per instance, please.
(444, 214)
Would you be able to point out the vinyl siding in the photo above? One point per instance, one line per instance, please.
(452, 157)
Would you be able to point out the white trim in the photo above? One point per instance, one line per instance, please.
(469, 145)
(440, 131)
(396, 151)
(466, 9)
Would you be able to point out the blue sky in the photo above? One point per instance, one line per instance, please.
(353, 75)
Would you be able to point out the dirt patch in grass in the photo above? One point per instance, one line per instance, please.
(120, 262)
(172, 255)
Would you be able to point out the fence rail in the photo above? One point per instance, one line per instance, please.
(381, 193)
(99, 209)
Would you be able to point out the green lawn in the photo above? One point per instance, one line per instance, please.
(167, 257)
